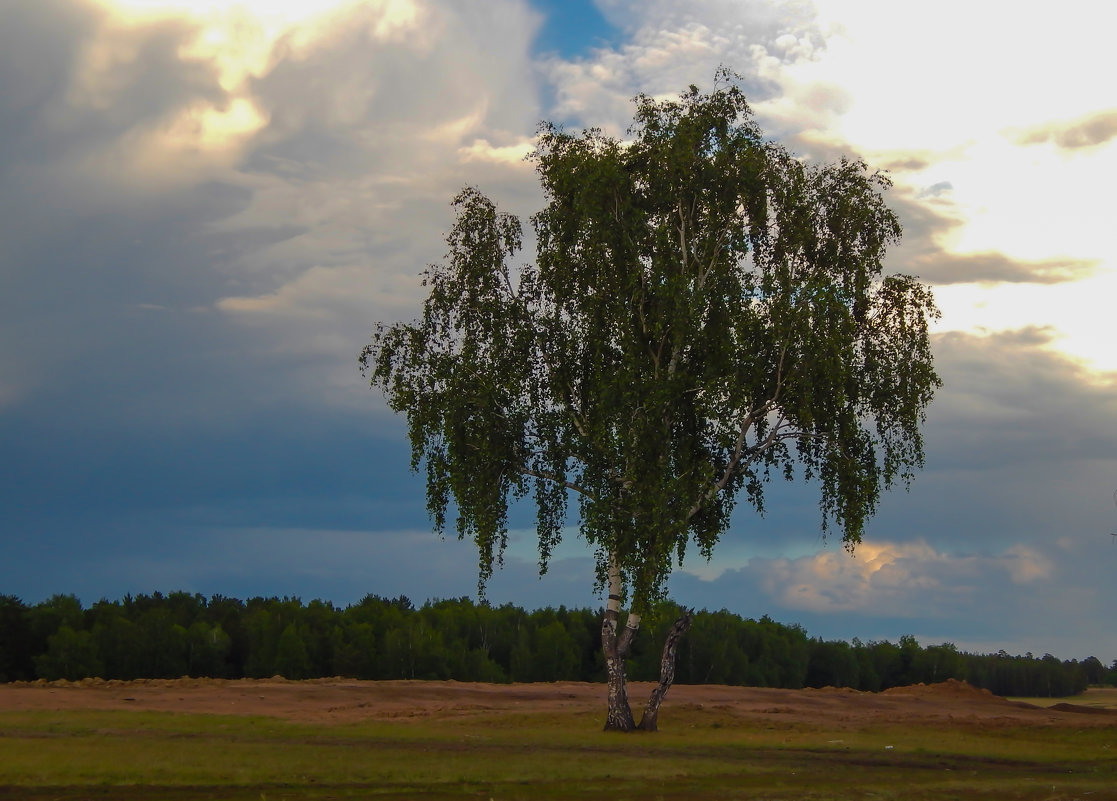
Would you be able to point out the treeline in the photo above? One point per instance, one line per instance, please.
(180, 634)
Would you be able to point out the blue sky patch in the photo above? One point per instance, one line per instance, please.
(571, 27)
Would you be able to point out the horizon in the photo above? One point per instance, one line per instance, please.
(417, 605)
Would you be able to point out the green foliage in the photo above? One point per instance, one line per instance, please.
(208, 648)
(381, 638)
(18, 642)
(123, 650)
(291, 658)
(59, 610)
(70, 655)
(704, 310)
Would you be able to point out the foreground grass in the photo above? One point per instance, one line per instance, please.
(701, 754)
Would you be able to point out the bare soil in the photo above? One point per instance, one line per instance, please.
(342, 700)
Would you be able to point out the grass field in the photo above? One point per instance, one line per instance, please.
(700, 754)
(1095, 697)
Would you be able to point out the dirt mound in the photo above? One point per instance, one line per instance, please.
(951, 688)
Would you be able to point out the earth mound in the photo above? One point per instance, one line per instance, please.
(951, 688)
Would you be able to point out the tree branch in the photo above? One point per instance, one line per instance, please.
(719, 485)
(526, 471)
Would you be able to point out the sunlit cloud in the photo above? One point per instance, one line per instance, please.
(239, 35)
(1036, 218)
(482, 150)
(238, 41)
(905, 578)
(1079, 315)
(955, 111)
(1086, 132)
(204, 129)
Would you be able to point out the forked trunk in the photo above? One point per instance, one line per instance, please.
(649, 721)
(616, 647)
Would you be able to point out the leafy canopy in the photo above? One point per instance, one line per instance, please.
(704, 310)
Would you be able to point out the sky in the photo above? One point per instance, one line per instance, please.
(207, 205)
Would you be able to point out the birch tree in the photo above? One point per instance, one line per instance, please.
(704, 312)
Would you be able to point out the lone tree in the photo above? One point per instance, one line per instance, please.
(704, 310)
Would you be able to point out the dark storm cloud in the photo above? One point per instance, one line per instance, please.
(178, 339)
(107, 320)
(99, 272)
(39, 43)
(115, 274)
(1086, 132)
(1017, 441)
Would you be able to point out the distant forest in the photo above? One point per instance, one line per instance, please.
(183, 634)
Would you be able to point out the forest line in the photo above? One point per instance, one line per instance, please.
(184, 634)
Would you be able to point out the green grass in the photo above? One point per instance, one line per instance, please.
(700, 754)
(1097, 697)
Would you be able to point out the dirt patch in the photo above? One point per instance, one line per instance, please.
(345, 700)
(951, 688)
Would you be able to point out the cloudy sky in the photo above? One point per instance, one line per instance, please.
(205, 206)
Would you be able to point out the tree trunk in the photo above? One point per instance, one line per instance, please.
(615, 647)
(649, 721)
(619, 717)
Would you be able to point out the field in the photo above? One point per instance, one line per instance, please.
(339, 739)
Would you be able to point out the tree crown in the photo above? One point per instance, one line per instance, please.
(704, 310)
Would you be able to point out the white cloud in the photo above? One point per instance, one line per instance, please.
(482, 150)
(672, 45)
(930, 76)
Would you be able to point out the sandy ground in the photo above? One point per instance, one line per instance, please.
(344, 700)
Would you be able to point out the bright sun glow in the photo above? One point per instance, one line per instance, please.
(271, 12)
(237, 35)
(957, 90)
(238, 38)
(1080, 314)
